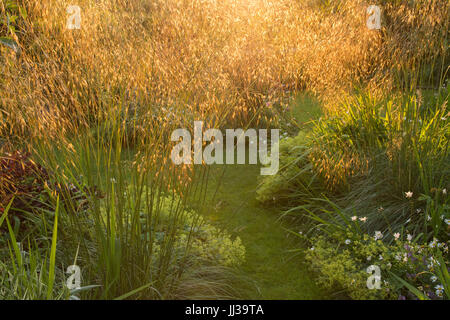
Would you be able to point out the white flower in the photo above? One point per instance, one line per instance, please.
(433, 243)
(409, 237)
(428, 218)
(439, 290)
(433, 278)
(419, 210)
(364, 219)
(354, 218)
(398, 257)
(369, 258)
(432, 263)
(348, 241)
(312, 248)
(447, 221)
(396, 235)
(380, 257)
(378, 235)
(408, 194)
(444, 191)
(112, 180)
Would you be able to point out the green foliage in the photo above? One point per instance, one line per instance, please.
(12, 23)
(366, 158)
(295, 175)
(342, 258)
(30, 274)
(208, 243)
(374, 167)
(137, 237)
(341, 268)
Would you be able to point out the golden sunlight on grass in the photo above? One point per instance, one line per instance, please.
(215, 60)
(87, 120)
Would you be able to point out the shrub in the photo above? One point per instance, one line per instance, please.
(341, 261)
(295, 174)
(208, 244)
(23, 182)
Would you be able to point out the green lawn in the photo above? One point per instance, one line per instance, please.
(273, 272)
(304, 108)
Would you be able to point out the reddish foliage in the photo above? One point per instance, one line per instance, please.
(28, 182)
(23, 179)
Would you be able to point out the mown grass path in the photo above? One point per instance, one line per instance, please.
(273, 271)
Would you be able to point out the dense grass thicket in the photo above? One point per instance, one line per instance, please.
(86, 116)
(369, 186)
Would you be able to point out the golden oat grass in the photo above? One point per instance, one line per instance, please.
(170, 62)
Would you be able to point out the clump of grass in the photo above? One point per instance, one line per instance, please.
(139, 239)
(30, 274)
(367, 156)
